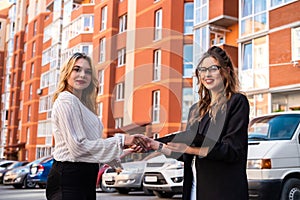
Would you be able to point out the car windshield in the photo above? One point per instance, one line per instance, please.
(131, 157)
(275, 127)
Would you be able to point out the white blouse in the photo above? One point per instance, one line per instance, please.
(78, 133)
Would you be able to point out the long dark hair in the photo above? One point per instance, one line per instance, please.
(228, 74)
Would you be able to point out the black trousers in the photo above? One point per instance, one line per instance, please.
(72, 181)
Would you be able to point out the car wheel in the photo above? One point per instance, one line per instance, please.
(291, 190)
(42, 186)
(107, 189)
(29, 184)
(163, 194)
(148, 192)
(123, 190)
(18, 186)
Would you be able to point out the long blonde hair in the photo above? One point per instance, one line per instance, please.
(89, 94)
(230, 82)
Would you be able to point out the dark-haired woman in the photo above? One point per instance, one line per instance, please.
(215, 162)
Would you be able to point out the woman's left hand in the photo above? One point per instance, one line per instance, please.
(177, 147)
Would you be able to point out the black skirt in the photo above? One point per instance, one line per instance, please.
(72, 181)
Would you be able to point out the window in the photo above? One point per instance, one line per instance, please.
(122, 23)
(103, 18)
(247, 56)
(27, 135)
(188, 60)
(155, 106)
(101, 81)
(100, 110)
(295, 43)
(121, 57)
(30, 92)
(158, 25)
(120, 91)
(118, 122)
(254, 71)
(32, 70)
(187, 101)
(88, 23)
(33, 50)
(254, 16)
(34, 28)
(102, 50)
(217, 38)
(28, 113)
(188, 18)
(157, 65)
(201, 11)
(279, 2)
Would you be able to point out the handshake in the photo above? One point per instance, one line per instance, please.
(141, 143)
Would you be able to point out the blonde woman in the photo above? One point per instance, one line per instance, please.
(77, 131)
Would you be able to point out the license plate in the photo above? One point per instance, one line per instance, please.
(110, 178)
(151, 179)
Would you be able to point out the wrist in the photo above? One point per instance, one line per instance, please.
(160, 147)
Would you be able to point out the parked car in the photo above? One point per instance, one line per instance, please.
(131, 176)
(102, 169)
(164, 176)
(38, 172)
(5, 163)
(18, 177)
(13, 165)
(273, 166)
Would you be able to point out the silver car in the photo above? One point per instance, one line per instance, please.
(131, 176)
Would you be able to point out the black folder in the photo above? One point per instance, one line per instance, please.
(188, 137)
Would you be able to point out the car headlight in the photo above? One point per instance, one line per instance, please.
(175, 165)
(259, 164)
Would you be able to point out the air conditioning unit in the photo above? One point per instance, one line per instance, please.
(39, 91)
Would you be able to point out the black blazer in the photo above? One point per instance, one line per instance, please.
(222, 173)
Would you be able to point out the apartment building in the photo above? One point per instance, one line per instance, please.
(4, 88)
(269, 41)
(145, 53)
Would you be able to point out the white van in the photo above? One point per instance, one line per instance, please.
(273, 166)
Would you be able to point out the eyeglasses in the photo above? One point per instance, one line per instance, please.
(210, 69)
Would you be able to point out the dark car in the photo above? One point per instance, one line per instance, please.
(38, 173)
(11, 166)
(18, 177)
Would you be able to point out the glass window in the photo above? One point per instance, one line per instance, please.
(158, 25)
(247, 56)
(254, 73)
(279, 2)
(187, 101)
(120, 91)
(122, 23)
(103, 18)
(188, 60)
(101, 81)
(201, 11)
(295, 43)
(102, 47)
(118, 122)
(33, 50)
(122, 57)
(155, 106)
(188, 18)
(254, 16)
(157, 65)
(100, 110)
